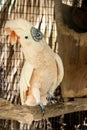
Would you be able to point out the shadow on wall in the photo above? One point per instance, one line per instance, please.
(75, 17)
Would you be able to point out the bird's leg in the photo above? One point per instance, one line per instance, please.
(58, 95)
(36, 94)
(55, 95)
(42, 107)
(50, 97)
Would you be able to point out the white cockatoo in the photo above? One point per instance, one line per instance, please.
(43, 69)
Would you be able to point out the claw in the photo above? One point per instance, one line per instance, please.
(50, 98)
(42, 107)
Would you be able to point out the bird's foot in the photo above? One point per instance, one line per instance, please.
(42, 108)
(51, 98)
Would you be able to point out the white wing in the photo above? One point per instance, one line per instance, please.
(25, 78)
(60, 68)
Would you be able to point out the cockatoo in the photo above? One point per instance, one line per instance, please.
(43, 69)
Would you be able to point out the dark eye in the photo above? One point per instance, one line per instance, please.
(26, 37)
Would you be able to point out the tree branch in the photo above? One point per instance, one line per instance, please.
(26, 114)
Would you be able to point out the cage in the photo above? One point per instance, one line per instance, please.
(41, 14)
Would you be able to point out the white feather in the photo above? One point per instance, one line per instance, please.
(25, 79)
(60, 69)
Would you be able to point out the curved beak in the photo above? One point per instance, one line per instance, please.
(13, 37)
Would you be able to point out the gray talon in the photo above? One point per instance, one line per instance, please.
(50, 98)
(42, 107)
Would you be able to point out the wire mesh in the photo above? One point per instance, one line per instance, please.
(41, 14)
(77, 3)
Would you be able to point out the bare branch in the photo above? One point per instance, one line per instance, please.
(26, 114)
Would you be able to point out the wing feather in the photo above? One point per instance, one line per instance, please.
(25, 78)
(60, 68)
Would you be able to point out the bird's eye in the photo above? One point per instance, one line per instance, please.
(26, 37)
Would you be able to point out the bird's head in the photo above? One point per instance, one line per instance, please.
(22, 32)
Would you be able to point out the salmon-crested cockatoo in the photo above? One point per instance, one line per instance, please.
(43, 69)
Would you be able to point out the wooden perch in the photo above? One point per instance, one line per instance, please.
(26, 114)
